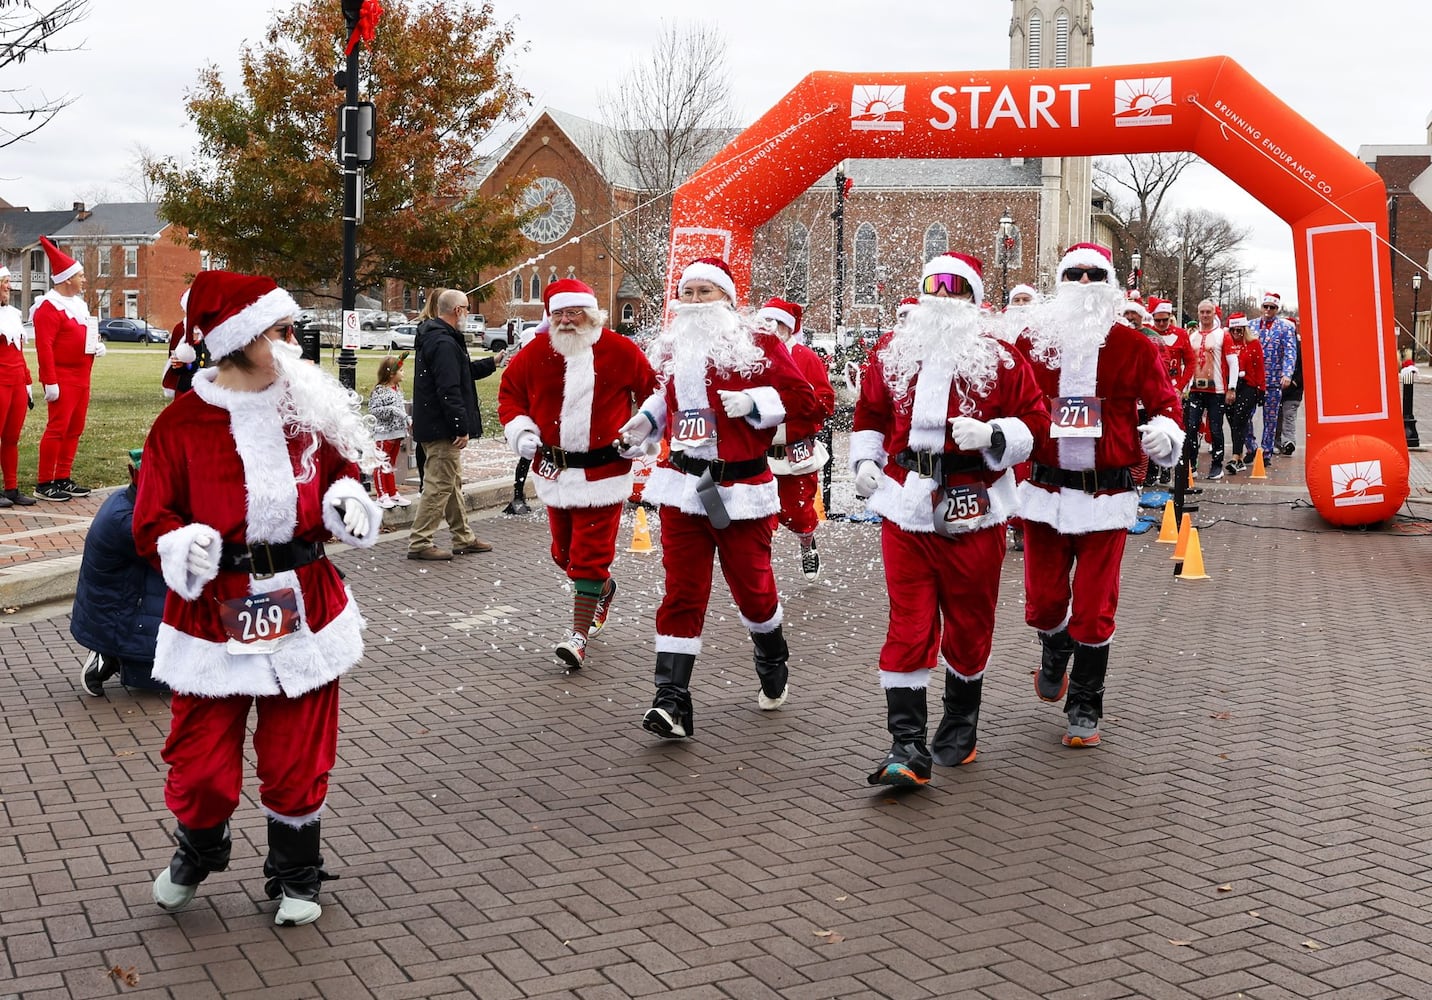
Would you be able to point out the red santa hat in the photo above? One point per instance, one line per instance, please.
(1137, 308)
(1088, 255)
(782, 312)
(1272, 299)
(569, 293)
(967, 267)
(1159, 307)
(906, 307)
(227, 311)
(63, 267)
(1029, 290)
(712, 269)
(1237, 320)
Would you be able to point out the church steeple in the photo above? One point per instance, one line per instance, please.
(1051, 34)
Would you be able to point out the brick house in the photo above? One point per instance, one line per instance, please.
(1410, 233)
(20, 232)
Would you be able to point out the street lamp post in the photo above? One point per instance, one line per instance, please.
(841, 189)
(1416, 288)
(1136, 261)
(1006, 241)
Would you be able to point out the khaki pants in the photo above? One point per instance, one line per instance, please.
(441, 498)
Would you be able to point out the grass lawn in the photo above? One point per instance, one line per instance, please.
(125, 397)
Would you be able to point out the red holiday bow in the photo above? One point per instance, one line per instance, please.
(367, 23)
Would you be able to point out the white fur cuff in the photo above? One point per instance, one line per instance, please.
(867, 446)
(770, 411)
(1018, 443)
(350, 489)
(514, 429)
(678, 644)
(174, 546)
(914, 679)
(767, 626)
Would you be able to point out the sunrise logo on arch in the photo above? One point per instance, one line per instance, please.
(1143, 102)
(870, 104)
(1357, 483)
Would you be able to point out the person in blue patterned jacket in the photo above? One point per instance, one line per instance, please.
(1280, 354)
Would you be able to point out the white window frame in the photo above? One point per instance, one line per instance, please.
(131, 263)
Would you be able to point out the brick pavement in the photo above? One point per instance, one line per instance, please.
(1254, 824)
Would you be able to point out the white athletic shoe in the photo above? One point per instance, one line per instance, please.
(172, 897)
(293, 912)
(771, 704)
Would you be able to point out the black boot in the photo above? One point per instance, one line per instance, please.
(770, 656)
(200, 852)
(955, 740)
(518, 507)
(1085, 704)
(670, 713)
(908, 763)
(295, 871)
(1051, 681)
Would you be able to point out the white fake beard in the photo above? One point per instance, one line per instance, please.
(943, 335)
(703, 333)
(576, 340)
(316, 403)
(1075, 322)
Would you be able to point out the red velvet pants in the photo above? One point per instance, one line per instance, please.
(63, 428)
(943, 593)
(798, 502)
(1078, 569)
(295, 741)
(386, 483)
(689, 546)
(14, 403)
(584, 540)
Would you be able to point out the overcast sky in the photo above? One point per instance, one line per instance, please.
(1360, 71)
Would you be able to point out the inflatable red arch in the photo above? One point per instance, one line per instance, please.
(1357, 463)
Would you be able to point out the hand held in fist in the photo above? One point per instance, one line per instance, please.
(867, 478)
(199, 563)
(52, 393)
(970, 434)
(736, 404)
(527, 443)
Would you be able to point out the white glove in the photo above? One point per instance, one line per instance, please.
(100, 349)
(355, 518)
(736, 404)
(636, 431)
(867, 478)
(1408, 375)
(642, 449)
(780, 437)
(971, 434)
(52, 393)
(527, 444)
(1158, 444)
(199, 564)
(30, 393)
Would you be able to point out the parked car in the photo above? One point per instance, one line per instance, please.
(132, 330)
(403, 337)
(376, 319)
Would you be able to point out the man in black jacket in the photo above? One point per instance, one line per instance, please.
(445, 417)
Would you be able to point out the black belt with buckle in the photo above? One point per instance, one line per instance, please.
(721, 471)
(1088, 480)
(581, 459)
(264, 560)
(939, 465)
(1203, 383)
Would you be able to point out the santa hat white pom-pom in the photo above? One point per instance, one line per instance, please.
(184, 353)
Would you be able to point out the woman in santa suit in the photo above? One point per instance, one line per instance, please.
(16, 394)
(243, 480)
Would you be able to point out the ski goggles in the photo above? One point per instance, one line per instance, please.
(950, 284)
(1094, 274)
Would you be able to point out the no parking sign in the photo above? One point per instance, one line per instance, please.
(352, 339)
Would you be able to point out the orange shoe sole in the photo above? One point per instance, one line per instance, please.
(970, 759)
(1063, 689)
(1079, 743)
(901, 776)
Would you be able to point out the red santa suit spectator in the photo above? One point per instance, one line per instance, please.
(66, 344)
(1079, 501)
(797, 457)
(17, 395)
(243, 479)
(1247, 382)
(945, 412)
(562, 403)
(724, 389)
(183, 361)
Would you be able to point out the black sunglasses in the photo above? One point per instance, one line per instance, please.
(1095, 274)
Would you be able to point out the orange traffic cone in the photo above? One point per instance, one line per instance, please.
(1260, 471)
(1192, 568)
(641, 534)
(1168, 531)
(1184, 530)
(819, 505)
(1190, 475)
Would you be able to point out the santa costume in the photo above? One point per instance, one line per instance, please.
(17, 394)
(240, 486)
(945, 412)
(724, 389)
(66, 345)
(797, 457)
(1246, 380)
(1079, 501)
(562, 403)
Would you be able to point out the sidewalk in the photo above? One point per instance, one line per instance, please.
(1254, 824)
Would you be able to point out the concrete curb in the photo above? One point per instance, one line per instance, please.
(44, 580)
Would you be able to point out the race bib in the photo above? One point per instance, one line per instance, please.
(694, 428)
(957, 508)
(259, 622)
(1076, 417)
(543, 466)
(800, 451)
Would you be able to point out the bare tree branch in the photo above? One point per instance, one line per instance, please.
(27, 30)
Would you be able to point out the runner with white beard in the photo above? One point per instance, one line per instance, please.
(945, 411)
(724, 388)
(1079, 501)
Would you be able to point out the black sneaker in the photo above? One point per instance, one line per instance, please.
(810, 563)
(1289, 448)
(95, 671)
(73, 488)
(604, 608)
(19, 499)
(52, 491)
(1215, 473)
(5, 502)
